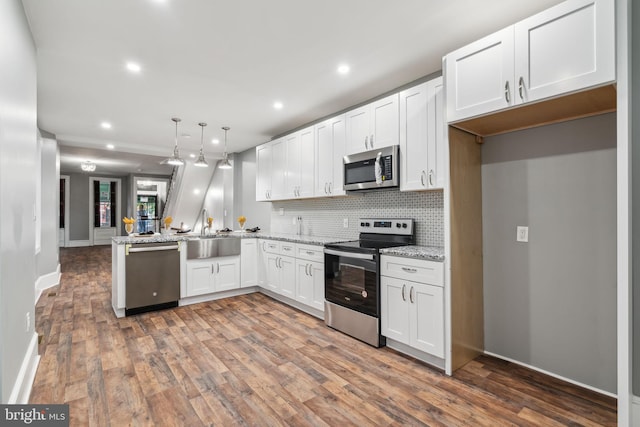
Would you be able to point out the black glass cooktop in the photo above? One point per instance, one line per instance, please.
(365, 246)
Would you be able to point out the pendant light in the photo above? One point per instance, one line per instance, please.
(201, 162)
(225, 158)
(175, 160)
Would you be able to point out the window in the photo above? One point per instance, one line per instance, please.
(104, 204)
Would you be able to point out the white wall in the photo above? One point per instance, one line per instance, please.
(551, 302)
(47, 259)
(18, 139)
(258, 213)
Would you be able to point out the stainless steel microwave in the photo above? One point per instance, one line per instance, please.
(372, 170)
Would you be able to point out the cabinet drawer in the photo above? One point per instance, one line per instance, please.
(310, 252)
(271, 246)
(287, 248)
(416, 270)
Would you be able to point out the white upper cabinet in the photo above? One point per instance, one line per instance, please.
(373, 125)
(566, 48)
(480, 76)
(306, 163)
(422, 137)
(263, 172)
(278, 169)
(329, 151)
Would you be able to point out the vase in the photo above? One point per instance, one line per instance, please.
(128, 228)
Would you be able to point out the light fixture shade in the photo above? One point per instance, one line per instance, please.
(225, 164)
(201, 162)
(175, 160)
(88, 166)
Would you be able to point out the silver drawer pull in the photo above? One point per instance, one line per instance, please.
(410, 270)
(404, 298)
(310, 253)
(411, 295)
(285, 248)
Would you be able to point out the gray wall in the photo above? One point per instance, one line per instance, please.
(551, 303)
(18, 139)
(244, 202)
(47, 259)
(635, 199)
(79, 203)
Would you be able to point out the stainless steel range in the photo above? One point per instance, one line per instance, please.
(352, 277)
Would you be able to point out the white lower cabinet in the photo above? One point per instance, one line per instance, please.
(212, 275)
(412, 313)
(249, 263)
(310, 283)
(280, 269)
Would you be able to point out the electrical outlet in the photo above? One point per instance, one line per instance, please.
(522, 233)
(345, 222)
(28, 322)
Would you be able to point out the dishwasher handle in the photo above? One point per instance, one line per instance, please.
(154, 248)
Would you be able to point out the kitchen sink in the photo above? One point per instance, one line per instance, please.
(211, 247)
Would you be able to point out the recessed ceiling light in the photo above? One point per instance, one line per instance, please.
(111, 146)
(134, 67)
(278, 105)
(193, 156)
(196, 191)
(215, 141)
(343, 69)
(105, 125)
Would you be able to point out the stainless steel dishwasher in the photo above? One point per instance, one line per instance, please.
(152, 277)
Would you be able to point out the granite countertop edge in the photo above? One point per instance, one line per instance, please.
(431, 253)
(162, 238)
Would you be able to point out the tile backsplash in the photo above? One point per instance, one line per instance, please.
(325, 217)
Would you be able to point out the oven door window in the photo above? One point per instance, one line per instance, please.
(352, 283)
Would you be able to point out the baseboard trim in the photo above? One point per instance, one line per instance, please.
(551, 374)
(24, 382)
(216, 295)
(47, 281)
(293, 303)
(78, 243)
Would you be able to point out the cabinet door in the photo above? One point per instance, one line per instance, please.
(292, 171)
(278, 170)
(414, 138)
(565, 48)
(262, 263)
(479, 76)
(199, 278)
(306, 163)
(338, 135)
(288, 276)
(438, 141)
(273, 272)
(324, 158)
(304, 283)
(427, 318)
(316, 271)
(384, 123)
(227, 275)
(394, 315)
(263, 172)
(249, 263)
(357, 128)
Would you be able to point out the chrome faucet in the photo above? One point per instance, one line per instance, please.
(204, 227)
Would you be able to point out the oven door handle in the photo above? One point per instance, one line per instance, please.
(348, 254)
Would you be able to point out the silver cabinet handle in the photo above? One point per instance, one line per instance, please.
(310, 270)
(404, 298)
(212, 269)
(366, 139)
(278, 262)
(507, 94)
(217, 267)
(264, 249)
(310, 253)
(286, 248)
(422, 178)
(431, 177)
(521, 87)
(410, 270)
(330, 187)
(411, 295)
(325, 188)
(371, 141)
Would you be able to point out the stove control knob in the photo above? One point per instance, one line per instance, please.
(398, 225)
(404, 225)
(362, 224)
(366, 224)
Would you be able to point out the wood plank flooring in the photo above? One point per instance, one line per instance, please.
(251, 360)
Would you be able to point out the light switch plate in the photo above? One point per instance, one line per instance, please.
(522, 233)
(345, 223)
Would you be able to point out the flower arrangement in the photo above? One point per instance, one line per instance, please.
(241, 220)
(128, 224)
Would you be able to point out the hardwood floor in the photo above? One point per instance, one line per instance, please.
(251, 360)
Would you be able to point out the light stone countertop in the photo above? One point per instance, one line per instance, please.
(162, 238)
(431, 253)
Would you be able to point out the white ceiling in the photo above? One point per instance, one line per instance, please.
(226, 62)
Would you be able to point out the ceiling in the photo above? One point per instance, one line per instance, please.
(226, 63)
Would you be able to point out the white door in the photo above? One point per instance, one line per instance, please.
(304, 283)
(324, 158)
(199, 278)
(288, 276)
(292, 172)
(357, 128)
(479, 76)
(438, 142)
(565, 48)
(414, 138)
(248, 263)
(262, 263)
(227, 273)
(394, 313)
(273, 272)
(338, 135)
(306, 163)
(316, 271)
(384, 122)
(427, 315)
(278, 169)
(263, 172)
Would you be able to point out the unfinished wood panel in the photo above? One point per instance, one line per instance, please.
(576, 105)
(467, 316)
